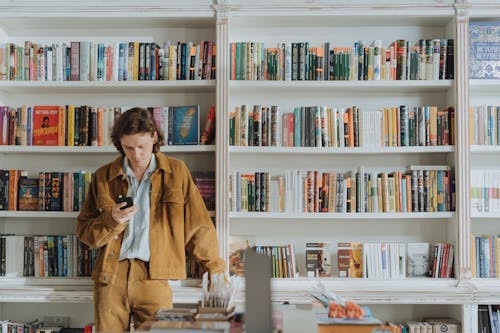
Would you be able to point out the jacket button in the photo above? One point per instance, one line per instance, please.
(100, 210)
(111, 255)
(116, 236)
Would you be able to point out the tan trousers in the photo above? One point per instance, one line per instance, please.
(132, 296)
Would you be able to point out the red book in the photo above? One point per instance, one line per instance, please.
(208, 129)
(45, 125)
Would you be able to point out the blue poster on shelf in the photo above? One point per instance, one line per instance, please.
(484, 44)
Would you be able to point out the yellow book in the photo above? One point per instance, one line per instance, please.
(433, 126)
(172, 62)
(394, 127)
(136, 61)
(71, 125)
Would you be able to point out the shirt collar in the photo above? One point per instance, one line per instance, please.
(151, 168)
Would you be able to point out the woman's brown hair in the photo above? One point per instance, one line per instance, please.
(133, 121)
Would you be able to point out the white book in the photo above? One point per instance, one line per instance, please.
(93, 61)
(340, 127)
(417, 255)
(377, 47)
(84, 60)
(14, 258)
(116, 58)
(333, 126)
(288, 61)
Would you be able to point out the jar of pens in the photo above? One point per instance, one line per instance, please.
(217, 299)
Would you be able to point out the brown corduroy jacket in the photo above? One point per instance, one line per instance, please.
(179, 221)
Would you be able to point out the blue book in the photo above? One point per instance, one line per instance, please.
(484, 50)
(185, 121)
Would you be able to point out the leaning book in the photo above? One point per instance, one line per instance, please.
(484, 50)
(184, 125)
(46, 125)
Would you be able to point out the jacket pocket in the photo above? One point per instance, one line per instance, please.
(104, 202)
(173, 201)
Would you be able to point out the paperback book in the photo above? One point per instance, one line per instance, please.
(45, 125)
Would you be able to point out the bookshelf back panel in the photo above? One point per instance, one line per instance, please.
(334, 161)
(287, 100)
(487, 161)
(125, 100)
(340, 32)
(403, 312)
(73, 29)
(58, 162)
(38, 226)
(485, 226)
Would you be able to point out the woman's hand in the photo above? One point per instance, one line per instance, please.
(123, 215)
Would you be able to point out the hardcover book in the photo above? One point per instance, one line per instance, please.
(45, 125)
(184, 124)
(28, 194)
(237, 246)
(418, 259)
(484, 49)
(318, 262)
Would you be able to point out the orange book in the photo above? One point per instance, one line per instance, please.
(350, 112)
(61, 131)
(208, 130)
(13, 188)
(100, 128)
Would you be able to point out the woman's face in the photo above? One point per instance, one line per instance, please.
(138, 148)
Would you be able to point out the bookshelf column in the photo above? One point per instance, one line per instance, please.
(222, 130)
(462, 173)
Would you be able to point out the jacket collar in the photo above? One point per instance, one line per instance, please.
(116, 167)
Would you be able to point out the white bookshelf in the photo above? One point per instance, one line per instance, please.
(340, 22)
(106, 21)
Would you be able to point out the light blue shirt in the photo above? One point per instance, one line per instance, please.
(136, 239)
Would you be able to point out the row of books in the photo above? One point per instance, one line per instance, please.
(427, 325)
(45, 256)
(374, 260)
(484, 190)
(416, 189)
(394, 260)
(113, 61)
(488, 316)
(283, 261)
(70, 125)
(66, 191)
(49, 191)
(427, 59)
(47, 325)
(56, 256)
(322, 126)
(485, 256)
(483, 125)
(205, 183)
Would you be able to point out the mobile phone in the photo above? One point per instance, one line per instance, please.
(128, 200)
